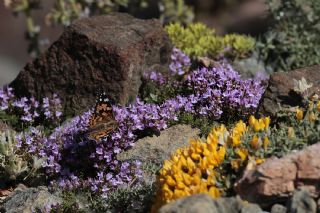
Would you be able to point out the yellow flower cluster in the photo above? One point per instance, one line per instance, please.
(242, 152)
(311, 113)
(191, 170)
(259, 124)
(194, 169)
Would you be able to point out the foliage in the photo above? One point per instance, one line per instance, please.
(175, 11)
(292, 41)
(64, 12)
(16, 165)
(212, 166)
(136, 199)
(198, 40)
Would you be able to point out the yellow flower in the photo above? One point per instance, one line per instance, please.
(255, 142)
(252, 120)
(242, 153)
(299, 114)
(312, 117)
(291, 133)
(266, 143)
(170, 181)
(266, 122)
(235, 140)
(239, 128)
(260, 161)
(311, 105)
(318, 106)
(214, 192)
(235, 164)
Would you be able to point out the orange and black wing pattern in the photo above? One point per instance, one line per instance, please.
(102, 120)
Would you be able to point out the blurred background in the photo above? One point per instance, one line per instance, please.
(225, 16)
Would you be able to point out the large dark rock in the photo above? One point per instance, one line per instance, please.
(107, 53)
(280, 89)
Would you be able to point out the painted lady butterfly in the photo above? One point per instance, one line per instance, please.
(102, 120)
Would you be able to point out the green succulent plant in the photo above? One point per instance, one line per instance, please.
(197, 40)
(13, 164)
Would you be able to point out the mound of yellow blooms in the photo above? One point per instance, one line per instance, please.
(193, 169)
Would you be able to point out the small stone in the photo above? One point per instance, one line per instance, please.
(277, 208)
(302, 202)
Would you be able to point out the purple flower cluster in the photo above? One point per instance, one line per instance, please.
(30, 110)
(180, 62)
(220, 89)
(6, 95)
(155, 77)
(136, 117)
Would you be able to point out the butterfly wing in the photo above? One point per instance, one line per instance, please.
(102, 121)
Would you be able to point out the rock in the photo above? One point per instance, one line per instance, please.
(154, 150)
(276, 179)
(318, 206)
(277, 208)
(27, 200)
(203, 203)
(280, 89)
(108, 53)
(302, 202)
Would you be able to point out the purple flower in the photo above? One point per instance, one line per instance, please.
(180, 62)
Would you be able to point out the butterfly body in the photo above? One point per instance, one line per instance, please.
(102, 120)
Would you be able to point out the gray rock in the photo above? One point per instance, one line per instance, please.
(26, 200)
(156, 149)
(301, 202)
(108, 53)
(152, 151)
(203, 203)
(277, 208)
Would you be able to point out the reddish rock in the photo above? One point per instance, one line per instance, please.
(276, 179)
(280, 89)
(108, 53)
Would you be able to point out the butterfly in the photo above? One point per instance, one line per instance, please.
(102, 120)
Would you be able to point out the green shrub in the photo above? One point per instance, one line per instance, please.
(293, 40)
(198, 40)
